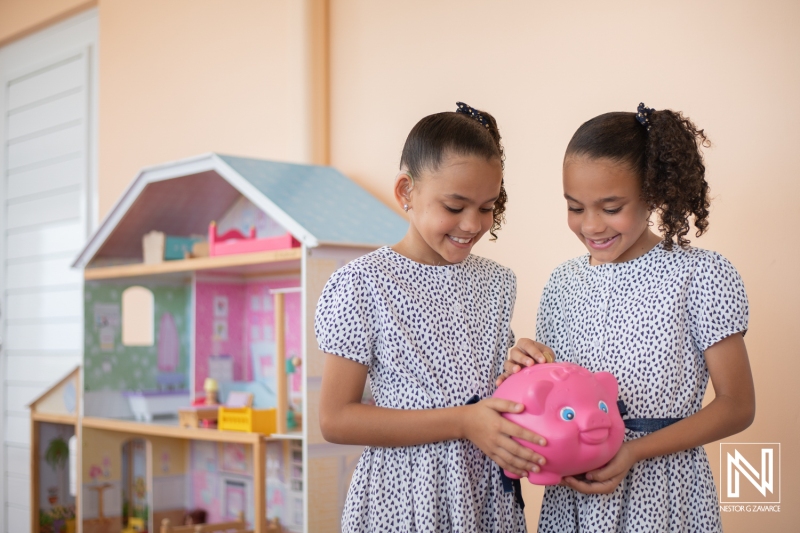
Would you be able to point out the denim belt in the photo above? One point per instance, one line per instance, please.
(644, 425)
(509, 485)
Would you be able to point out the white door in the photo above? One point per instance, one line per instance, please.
(48, 163)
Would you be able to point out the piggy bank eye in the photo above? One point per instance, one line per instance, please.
(603, 407)
(568, 414)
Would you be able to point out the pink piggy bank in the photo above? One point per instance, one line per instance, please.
(574, 409)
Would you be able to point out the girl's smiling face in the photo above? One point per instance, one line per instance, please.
(606, 210)
(450, 208)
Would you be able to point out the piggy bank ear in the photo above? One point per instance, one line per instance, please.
(608, 383)
(536, 397)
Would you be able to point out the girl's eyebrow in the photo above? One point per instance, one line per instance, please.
(600, 201)
(465, 199)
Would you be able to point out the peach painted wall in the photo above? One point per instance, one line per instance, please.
(181, 78)
(542, 68)
(21, 17)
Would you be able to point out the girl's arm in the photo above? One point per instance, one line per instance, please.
(731, 411)
(345, 420)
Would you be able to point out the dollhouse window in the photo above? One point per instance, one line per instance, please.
(137, 316)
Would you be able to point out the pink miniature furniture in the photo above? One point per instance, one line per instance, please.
(233, 242)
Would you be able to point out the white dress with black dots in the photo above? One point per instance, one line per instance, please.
(433, 337)
(648, 322)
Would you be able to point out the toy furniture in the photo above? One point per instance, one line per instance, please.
(158, 247)
(146, 405)
(192, 417)
(238, 402)
(241, 316)
(233, 242)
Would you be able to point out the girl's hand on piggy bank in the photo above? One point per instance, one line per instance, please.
(527, 352)
(483, 425)
(606, 479)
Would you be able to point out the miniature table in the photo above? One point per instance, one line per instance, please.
(190, 417)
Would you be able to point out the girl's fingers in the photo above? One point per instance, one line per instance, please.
(510, 367)
(503, 406)
(508, 370)
(526, 353)
(519, 356)
(527, 349)
(519, 432)
(518, 450)
(510, 428)
(601, 474)
(517, 464)
(580, 486)
(590, 487)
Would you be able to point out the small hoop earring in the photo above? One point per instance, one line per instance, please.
(405, 208)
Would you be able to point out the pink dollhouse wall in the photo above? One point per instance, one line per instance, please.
(261, 334)
(237, 319)
(221, 480)
(220, 329)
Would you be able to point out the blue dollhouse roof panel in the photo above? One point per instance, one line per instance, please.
(330, 206)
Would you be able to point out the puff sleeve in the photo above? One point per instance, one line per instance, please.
(717, 304)
(345, 322)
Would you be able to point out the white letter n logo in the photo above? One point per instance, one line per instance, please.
(741, 465)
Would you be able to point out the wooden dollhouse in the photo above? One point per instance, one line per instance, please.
(238, 251)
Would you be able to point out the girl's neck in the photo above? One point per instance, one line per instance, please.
(409, 252)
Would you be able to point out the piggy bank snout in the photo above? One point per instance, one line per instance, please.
(595, 429)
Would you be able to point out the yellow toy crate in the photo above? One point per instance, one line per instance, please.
(264, 421)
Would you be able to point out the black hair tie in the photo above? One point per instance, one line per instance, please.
(472, 112)
(643, 114)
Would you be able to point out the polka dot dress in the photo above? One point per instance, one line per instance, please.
(648, 322)
(432, 336)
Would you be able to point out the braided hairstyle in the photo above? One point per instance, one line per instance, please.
(465, 132)
(664, 149)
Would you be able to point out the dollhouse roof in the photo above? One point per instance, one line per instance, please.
(317, 205)
(61, 399)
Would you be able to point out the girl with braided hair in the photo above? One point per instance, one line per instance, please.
(429, 324)
(660, 315)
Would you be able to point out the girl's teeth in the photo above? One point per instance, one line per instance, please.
(460, 241)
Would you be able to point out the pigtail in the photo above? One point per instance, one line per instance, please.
(674, 180)
(499, 216)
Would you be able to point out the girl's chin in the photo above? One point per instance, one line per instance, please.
(603, 256)
(451, 254)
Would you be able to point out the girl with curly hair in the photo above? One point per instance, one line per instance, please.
(660, 315)
(429, 324)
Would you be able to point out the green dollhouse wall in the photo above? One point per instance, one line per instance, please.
(111, 366)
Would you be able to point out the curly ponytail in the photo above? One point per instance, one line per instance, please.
(666, 153)
(674, 176)
(461, 133)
